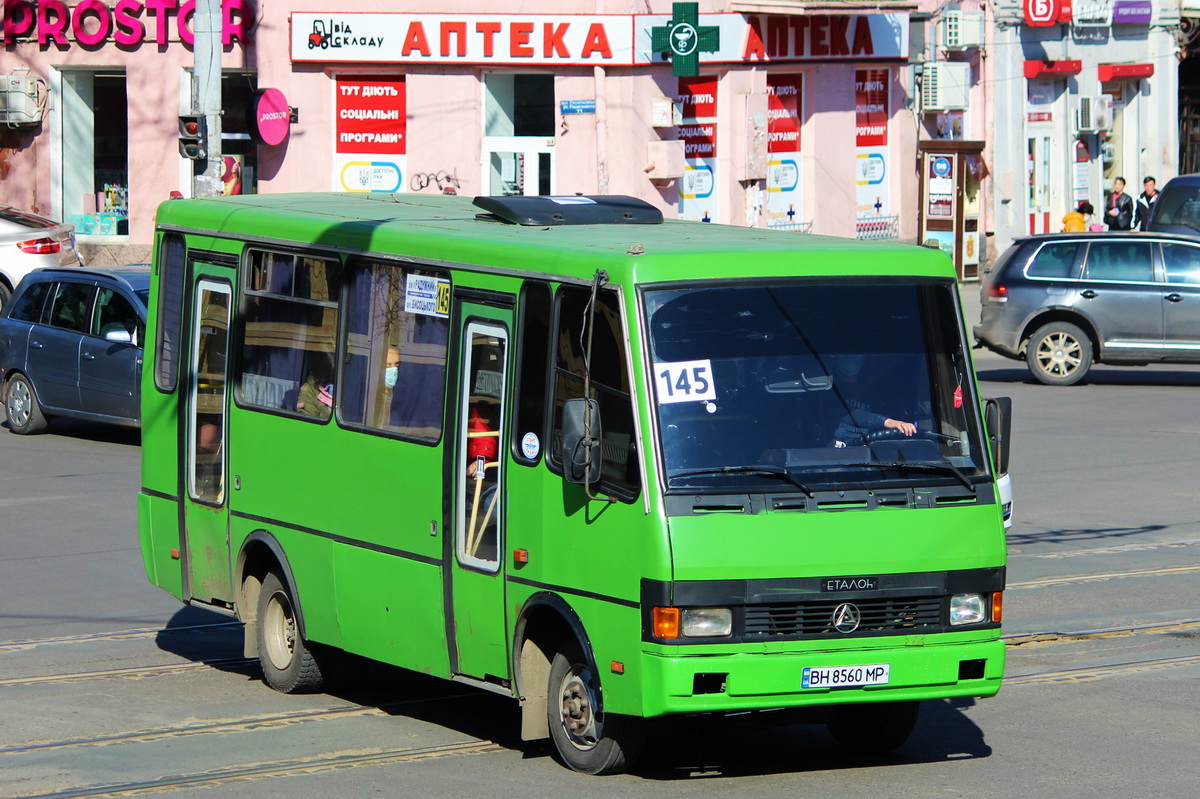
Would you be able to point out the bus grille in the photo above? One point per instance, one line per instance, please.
(797, 620)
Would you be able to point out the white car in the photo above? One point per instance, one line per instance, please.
(28, 241)
(1004, 486)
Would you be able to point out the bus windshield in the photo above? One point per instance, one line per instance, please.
(800, 386)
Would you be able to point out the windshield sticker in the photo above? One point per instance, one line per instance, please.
(684, 381)
(531, 446)
(429, 296)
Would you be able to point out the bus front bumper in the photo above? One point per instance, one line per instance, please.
(699, 683)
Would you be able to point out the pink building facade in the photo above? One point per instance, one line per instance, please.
(799, 118)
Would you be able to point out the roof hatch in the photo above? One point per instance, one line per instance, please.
(613, 209)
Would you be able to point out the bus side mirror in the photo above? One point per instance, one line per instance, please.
(581, 441)
(997, 413)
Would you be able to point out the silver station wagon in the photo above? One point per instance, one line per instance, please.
(1068, 300)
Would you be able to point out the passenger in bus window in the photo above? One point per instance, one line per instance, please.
(860, 398)
(482, 451)
(391, 369)
(316, 394)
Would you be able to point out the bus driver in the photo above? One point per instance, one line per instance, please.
(861, 419)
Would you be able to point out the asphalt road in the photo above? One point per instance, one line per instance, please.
(107, 684)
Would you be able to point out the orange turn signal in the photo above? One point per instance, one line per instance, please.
(998, 606)
(666, 622)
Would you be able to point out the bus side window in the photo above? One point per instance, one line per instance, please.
(533, 368)
(609, 385)
(395, 348)
(288, 339)
(170, 312)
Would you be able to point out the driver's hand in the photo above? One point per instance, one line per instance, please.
(907, 428)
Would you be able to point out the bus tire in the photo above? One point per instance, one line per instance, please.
(586, 739)
(874, 728)
(21, 405)
(288, 664)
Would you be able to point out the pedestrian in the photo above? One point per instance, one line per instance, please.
(1077, 221)
(1145, 202)
(1119, 215)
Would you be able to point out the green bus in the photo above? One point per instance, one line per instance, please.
(615, 467)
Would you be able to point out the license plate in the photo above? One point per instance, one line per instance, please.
(845, 676)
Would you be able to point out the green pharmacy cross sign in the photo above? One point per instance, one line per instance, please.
(682, 39)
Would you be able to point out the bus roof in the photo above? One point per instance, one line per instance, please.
(452, 229)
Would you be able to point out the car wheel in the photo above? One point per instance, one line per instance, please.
(20, 403)
(288, 664)
(875, 728)
(1059, 354)
(5, 293)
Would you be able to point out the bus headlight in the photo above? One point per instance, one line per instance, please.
(967, 609)
(707, 622)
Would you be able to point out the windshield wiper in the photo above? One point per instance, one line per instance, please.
(763, 470)
(918, 466)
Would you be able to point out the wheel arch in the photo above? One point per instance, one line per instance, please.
(261, 553)
(14, 372)
(545, 621)
(1068, 315)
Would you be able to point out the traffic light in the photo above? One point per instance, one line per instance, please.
(193, 136)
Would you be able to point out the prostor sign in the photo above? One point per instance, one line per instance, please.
(127, 23)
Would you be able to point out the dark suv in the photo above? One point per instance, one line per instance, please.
(71, 345)
(1177, 209)
(1068, 300)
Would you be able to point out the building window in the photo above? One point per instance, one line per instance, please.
(239, 168)
(95, 147)
(519, 134)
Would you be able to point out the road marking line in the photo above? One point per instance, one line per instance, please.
(1092, 673)
(1044, 582)
(309, 765)
(1113, 550)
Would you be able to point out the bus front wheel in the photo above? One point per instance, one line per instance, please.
(585, 737)
(288, 663)
(874, 728)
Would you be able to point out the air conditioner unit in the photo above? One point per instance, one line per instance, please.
(945, 85)
(962, 29)
(19, 100)
(1093, 114)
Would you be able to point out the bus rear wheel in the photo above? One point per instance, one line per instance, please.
(587, 739)
(874, 728)
(288, 663)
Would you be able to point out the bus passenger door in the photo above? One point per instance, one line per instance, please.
(478, 470)
(206, 516)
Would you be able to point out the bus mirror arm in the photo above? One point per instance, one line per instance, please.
(581, 434)
(997, 413)
(581, 437)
